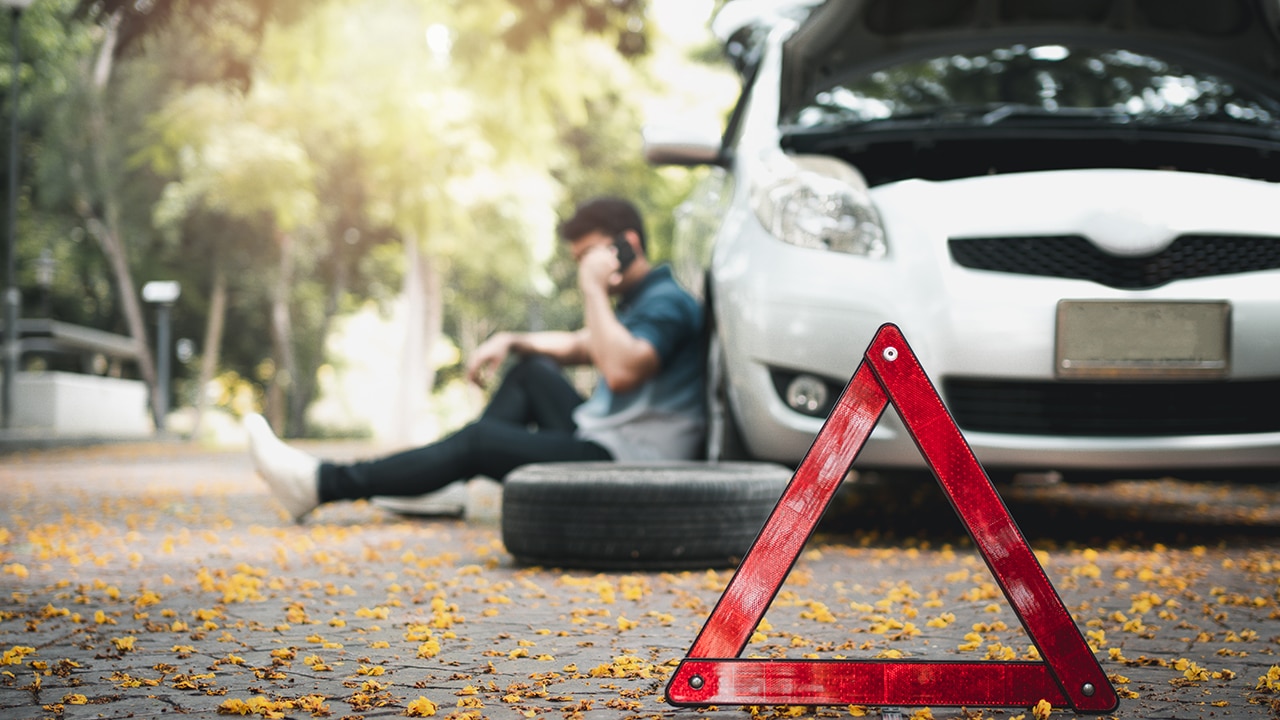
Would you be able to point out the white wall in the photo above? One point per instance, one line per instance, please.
(73, 405)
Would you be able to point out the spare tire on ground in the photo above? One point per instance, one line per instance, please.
(648, 516)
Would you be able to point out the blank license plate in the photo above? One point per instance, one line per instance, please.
(1102, 339)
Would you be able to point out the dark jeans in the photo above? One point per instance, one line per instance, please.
(528, 420)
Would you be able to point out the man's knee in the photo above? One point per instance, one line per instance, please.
(532, 366)
(536, 363)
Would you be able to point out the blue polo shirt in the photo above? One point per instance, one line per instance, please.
(663, 419)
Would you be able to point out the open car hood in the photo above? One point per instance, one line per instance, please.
(848, 37)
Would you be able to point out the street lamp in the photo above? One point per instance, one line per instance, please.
(12, 296)
(163, 294)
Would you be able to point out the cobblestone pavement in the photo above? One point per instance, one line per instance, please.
(154, 581)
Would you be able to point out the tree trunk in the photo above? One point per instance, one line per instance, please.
(305, 383)
(423, 298)
(282, 339)
(106, 229)
(434, 325)
(113, 247)
(212, 348)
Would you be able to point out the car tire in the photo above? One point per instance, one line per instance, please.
(656, 516)
(724, 440)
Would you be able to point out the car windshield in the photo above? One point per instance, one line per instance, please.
(1038, 82)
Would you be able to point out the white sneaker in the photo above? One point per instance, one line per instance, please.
(292, 475)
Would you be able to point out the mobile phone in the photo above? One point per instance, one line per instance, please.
(626, 254)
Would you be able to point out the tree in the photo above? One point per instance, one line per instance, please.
(234, 159)
(68, 118)
(93, 130)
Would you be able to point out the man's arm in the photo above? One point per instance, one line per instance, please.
(623, 360)
(566, 348)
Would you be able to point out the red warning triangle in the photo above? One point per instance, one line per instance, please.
(713, 674)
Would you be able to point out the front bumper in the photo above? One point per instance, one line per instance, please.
(784, 308)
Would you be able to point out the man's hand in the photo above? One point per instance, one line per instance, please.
(599, 269)
(488, 357)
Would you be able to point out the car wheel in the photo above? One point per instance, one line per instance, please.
(637, 516)
(724, 440)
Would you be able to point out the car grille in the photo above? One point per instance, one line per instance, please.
(1113, 409)
(1072, 256)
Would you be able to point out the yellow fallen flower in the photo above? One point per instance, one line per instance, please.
(15, 654)
(422, 707)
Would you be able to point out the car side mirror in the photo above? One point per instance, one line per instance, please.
(686, 145)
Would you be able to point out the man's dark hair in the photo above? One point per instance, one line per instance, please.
(609, 215)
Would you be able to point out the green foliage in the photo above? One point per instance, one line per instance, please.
(55, 160)
(230, 159)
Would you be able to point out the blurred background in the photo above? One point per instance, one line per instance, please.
(313, 208)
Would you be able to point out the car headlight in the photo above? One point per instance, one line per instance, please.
(820, 202)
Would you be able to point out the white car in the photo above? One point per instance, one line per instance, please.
(1071, 209)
